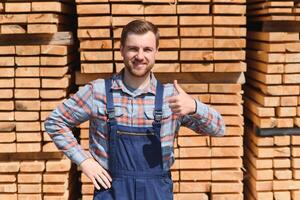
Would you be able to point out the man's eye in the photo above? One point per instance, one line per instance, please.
(148, 50)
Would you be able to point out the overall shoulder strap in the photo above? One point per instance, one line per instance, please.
(109, 100)
(158, 102)
(111, 123)
(158, 107)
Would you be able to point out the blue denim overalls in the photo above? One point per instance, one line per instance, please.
(135, 162)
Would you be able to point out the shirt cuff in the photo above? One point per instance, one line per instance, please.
(201, 109)
(79, 157)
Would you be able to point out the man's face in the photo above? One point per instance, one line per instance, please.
(139, 53)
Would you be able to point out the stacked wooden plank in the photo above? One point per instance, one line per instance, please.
(34, 66)
(19, 17)
(196, 36)
(7, 124)
(273, 76)
(272, 100)
(272, 105)
(266, 10)
(94, 34)
(34, 83)
(202, 46)
(36, 178)
(272, 165)
(36, 59)
(229, 33)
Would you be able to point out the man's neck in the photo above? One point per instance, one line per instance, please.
(136, 82)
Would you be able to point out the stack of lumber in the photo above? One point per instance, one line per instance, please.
(36, 59)
(7, 115)
(270, 10)
(272, 165)
(94, 34)
(273, 77)
(24, 16)
(34, 81)
(36, 178)
(271, 101)
(229, 33)
(202, 46)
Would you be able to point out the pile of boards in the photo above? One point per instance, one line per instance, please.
(272, 101)
(202, 45)
(37, 56)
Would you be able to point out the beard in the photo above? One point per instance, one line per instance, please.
(137, 71)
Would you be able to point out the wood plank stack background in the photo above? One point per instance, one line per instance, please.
(94, 34)
(271, 101)
(266, 10)
(36, 178)
(273, 78)
(272, 165)
(34, 81)
(202, 46)
(35, 16)
(36, 60)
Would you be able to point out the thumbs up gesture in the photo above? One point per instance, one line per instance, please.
(181, 104)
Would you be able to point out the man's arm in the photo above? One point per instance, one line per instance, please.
(72, 112)
(196, 115)
(75, 110)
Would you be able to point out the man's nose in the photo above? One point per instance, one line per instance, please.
(140, 55)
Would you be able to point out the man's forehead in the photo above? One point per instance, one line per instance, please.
(149, 36)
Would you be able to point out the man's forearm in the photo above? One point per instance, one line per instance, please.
(205, 120)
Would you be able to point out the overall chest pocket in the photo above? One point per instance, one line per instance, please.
(102, 112)
(102, 119)
(166, 113)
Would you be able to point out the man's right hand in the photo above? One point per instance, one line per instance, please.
(96, 173)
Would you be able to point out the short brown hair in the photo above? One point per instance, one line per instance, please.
(139, 27)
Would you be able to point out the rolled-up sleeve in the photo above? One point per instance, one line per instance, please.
(72, 112)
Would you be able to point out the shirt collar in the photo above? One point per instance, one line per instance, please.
(118, 84)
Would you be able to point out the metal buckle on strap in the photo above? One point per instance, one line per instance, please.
(157, 115)
(111, 114)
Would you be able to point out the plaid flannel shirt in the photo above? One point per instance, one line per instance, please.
(131, 109)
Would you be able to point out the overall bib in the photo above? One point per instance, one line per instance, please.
(135, 161)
